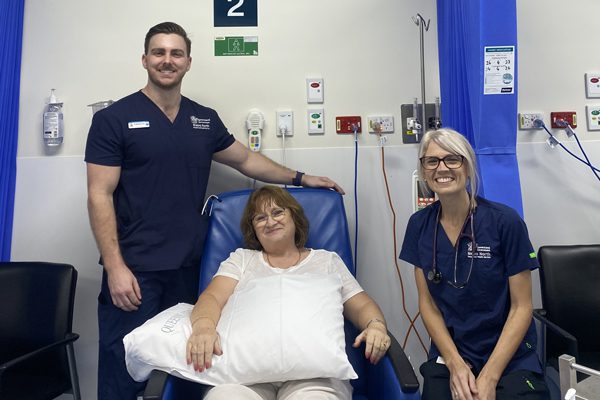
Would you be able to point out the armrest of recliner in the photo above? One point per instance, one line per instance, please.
(540, 315)
(162, 386)
(155, 387)
(402, 366)
(69, 338)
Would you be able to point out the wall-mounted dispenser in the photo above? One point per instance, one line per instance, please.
(53, 125)
(99, 105)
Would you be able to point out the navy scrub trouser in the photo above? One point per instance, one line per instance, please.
(160, 290)
(515, 385)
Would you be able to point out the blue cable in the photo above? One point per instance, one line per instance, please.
(589, 163)
(355, 128)
(541, 124)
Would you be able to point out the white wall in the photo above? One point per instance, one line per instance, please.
(368, 54)
(560, 195)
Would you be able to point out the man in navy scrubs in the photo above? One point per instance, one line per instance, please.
(148, 160)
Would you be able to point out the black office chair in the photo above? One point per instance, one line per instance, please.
(37, 361)
(570, 288)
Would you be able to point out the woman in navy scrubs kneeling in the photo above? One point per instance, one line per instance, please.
(473, 262)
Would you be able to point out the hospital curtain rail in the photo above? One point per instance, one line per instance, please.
(489, 121)
(11, 32)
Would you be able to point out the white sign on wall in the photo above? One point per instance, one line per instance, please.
(499, 70)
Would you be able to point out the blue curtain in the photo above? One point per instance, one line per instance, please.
(11, 32)
(465, 28)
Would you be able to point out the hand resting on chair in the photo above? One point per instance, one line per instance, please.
(275, 232)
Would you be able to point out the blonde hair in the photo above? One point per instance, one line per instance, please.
(455, 143)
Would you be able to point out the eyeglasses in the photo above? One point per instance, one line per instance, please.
(451, 161)
(262, 218)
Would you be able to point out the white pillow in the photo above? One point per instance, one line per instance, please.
(278, 328)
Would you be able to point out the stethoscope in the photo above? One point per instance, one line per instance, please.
(435, 274)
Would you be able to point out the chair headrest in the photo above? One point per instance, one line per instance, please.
(328, 227)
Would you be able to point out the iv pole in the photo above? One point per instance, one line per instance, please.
(423, 26)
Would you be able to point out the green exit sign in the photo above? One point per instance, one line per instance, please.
(236, 46)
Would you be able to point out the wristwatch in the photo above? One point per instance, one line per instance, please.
(297, 181)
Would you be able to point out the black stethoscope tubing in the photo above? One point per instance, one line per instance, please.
(435, 274)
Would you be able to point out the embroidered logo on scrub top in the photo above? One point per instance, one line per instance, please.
(482, 251)
(200, 123)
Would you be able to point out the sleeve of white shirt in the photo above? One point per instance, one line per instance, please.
(233, 266)
(350, 285)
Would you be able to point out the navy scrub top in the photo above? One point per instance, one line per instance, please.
(475, 314)
(164, 173)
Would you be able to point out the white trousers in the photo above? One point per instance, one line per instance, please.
(313, 389)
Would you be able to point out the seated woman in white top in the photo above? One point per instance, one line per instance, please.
(275, 231)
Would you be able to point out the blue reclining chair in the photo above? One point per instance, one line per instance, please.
(392, 378)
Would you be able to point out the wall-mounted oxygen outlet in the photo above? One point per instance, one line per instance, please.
(412, 127)
(285, 123)
(556, 118)
(526, 120)
(345, 125)
(381, 124)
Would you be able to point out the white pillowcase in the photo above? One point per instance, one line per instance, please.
(278, 328)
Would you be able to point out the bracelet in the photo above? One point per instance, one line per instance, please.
(204, 317)
(376, 320)
(297, 181)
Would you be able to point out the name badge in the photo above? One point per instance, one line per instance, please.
(138, 124)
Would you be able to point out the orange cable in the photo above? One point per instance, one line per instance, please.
(412, 320)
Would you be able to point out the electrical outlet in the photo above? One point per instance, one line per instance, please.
(345, 125)
(567, 116)
(526, 120)
(285, 123)
(386, 123)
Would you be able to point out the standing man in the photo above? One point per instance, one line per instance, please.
(148, 159)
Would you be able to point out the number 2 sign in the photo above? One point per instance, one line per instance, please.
(235, 13)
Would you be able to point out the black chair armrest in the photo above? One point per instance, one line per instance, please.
(156, 388)
(540, 315)
(69, 338)
(161, 386)
(156, 385)
(402, 367)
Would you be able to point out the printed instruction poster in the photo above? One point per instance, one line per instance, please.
(499, 70)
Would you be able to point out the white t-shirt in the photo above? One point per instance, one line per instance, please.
(245, 265)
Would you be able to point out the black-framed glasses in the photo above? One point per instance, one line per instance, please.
(451, 161)
(262, 218)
